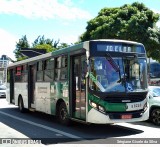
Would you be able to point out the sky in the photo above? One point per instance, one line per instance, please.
(63, 20)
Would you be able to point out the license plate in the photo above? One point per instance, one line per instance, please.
(137, 105)
(134, 106)
(126, 116)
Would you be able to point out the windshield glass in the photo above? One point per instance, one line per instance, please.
(155, 92)
(130, 77)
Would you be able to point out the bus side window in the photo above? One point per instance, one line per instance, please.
(40, 71)
(18, 74)
(8, 75)
(48, 70)
(24, 73)
(57, 68)
(64, 68)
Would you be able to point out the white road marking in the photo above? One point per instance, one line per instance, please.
(59, 135)
(43, 126)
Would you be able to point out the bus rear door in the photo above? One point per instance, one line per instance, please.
(31, 85)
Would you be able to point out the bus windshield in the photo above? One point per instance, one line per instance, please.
(129, 77)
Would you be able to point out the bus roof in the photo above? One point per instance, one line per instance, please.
(47, 55)
(84, 45)
(119, 41)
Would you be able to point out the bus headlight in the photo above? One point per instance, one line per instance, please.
(97, 107)
(100, 108)
(94, 105)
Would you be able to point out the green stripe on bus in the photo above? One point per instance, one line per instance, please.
(110, 107)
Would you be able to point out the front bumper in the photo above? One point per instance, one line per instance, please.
(94, 116)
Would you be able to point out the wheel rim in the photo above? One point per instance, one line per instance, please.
(63, 114)
(156, 117)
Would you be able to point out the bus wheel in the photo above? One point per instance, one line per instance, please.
(63, 114)
(155, 116)
(21, 105)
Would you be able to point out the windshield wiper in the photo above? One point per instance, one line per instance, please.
(112, 62)
(114, 65)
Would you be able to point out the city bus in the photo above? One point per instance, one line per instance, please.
(154, 73)
(98, 81)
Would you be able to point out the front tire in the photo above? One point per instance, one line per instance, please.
(63, 114)
(155, 116)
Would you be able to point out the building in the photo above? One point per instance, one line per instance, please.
(4, 61)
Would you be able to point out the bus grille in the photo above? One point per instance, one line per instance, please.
(130, 99)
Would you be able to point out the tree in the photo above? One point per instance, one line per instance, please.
(130, 22)
(47, 47)
(41, 40)
(23, 43)
(63, 45)
(39, 43)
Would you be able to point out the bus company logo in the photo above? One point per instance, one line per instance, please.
(126, 101)
(6, 141)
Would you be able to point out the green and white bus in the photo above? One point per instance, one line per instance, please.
(98, 81)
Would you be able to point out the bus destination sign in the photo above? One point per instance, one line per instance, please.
(120, 48)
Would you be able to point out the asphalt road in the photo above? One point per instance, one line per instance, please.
(47, 130)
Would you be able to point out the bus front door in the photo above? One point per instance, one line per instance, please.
(31, 85)
(78, 87)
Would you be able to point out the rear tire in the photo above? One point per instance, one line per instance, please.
(63, 114)
(21, 105)
(155, 116)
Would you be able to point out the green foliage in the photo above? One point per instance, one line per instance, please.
(47, 47)
(41, 40)
(23, 43)
(63, 45)
(21, 58)
(39, 43)
(130, 22)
